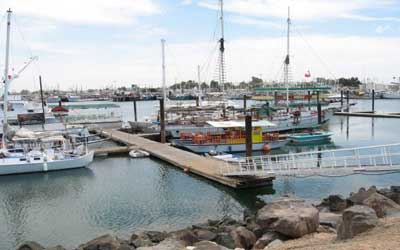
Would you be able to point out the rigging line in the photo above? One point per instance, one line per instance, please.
(277, 58)
(315, 53)
(1, 40)
(18, 27)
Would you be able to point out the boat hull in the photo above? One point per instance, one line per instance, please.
(15, 166)
(227, 148)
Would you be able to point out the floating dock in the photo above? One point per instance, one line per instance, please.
(208, 168)
(369, 114)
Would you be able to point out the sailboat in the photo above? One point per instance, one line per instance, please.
(24, 151)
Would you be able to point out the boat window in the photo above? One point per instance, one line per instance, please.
(36, 158)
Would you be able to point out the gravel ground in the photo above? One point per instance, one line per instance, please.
(386, 236)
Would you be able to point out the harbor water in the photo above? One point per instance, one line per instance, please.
(120, 195)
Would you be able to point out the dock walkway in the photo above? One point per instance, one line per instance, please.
(206, 167)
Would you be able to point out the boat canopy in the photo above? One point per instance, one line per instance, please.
(240, 124)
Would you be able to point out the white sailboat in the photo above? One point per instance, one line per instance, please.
(28, 152)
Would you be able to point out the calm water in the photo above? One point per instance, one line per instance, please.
(120, 195)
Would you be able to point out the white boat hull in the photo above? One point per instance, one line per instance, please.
(281, 125)
(391, 95)
(229, 148)
(10, 166)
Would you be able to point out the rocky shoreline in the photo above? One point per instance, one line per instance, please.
(274, 224)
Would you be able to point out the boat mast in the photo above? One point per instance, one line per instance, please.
(286, 68)
(163, 71)
(222, 50)
(200, 92)
(6, 80)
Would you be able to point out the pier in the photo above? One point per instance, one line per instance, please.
(208, 168)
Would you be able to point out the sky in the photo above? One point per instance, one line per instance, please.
(111, 43)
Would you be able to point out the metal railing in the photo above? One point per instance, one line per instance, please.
(326, 163)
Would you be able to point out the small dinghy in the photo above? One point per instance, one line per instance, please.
(310, 137)
(138, 153)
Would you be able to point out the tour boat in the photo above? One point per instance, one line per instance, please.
(232, 140)
(309, 137)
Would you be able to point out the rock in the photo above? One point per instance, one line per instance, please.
(359, 197)
(126, 247)
(205, 235)
(356, 220)
(208, 245)
(141, 240)
(185, 235)
(58, 247)
(225, 239)
(275, 244)
(243, 238)
(326, 229)
(330, 219)
(382, 205)
(155, 236)
(167, 244)
(266, 239)
(393, 193)
(255, 228)
(291, 217)
(104, 242)
(30, 245)
(335, 203)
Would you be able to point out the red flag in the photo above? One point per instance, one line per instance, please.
(308, 74)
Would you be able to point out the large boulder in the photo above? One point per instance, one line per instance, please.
(382, 205)
(225, 239)
(30, 245)
(104, 242)
(393, 193)
(330, 219)
(208, 245)
(243, 238)
(335, 203)
(167, 244)
(58, 247)
(290, 217)
(356, 220)
(185, 235)
(205, 235)
(141, 240)
(359, 197)
(266, 239)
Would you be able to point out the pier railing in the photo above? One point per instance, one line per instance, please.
(384, 158)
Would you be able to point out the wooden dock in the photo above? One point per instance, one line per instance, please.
(369, 114)
(189, 162)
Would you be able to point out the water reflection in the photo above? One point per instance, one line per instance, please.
(20, 194)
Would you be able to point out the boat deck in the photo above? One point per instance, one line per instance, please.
(189, 162)
(369, 114)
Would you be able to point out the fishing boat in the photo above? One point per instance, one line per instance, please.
(232, 140)
(25, 151)
(309, 137)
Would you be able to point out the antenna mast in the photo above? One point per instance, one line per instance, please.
(163, 71)
(286, 68)
(6, 80)
(222, 50)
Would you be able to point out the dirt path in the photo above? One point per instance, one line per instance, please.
(386, 236)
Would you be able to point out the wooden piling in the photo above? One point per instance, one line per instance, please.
(249, 141)
(373, 101)
(245, 103)
(348, 100)
(162, 121)
(319, 110)
(341, 99)
(134, 109)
